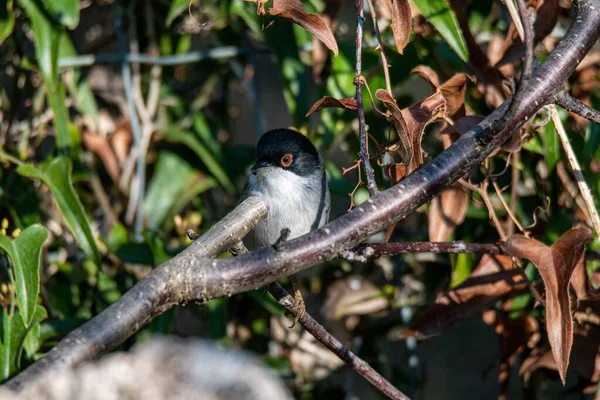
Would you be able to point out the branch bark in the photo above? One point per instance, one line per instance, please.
(362, 126)
(570, 103)
(190, 277)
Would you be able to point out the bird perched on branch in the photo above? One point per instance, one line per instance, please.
(289, 174)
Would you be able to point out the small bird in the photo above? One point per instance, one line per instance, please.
(289, 174)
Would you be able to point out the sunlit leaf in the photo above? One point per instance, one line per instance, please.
(176, 9)
(173, 184)
(47, 35)
(66, 12)
(25, 253)
(57, 176)
(13, 335)
(212, 164)
(7, 19)
(441, 16)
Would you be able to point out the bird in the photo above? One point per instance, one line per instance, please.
(290, 175)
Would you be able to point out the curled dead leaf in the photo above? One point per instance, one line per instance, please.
(401, 23)
(555, 264)
(454, 90)
(347, 103)
(100, 146)
(313, 23)
(447, 211)
(428, 74)
(494, 277)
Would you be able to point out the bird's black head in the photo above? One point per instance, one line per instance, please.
(289, 150)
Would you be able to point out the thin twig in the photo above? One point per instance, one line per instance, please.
(384, 63)
(583, 186)
(514, 187)
(330, 342)
(482, 190)
(326, 338)
(570, 103)
(508, 208)
(362, 126)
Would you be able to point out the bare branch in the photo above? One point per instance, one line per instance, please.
(384, 63)
(570, 103)
(330, 342)
(362, 126)
(391, 249)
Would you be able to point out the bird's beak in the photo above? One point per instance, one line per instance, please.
(260, 165)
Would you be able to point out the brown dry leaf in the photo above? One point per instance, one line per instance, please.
(516, 334)
(121, 140)
(347, 103)
(353, 295)
(494, 277)
(547, 15)
(447, 211)
(401, 23)
(320, 54)
(396, 172)
(579, 279)
(454, 90)
(428, 74)
(556, 265)
(395, 115)
(313, 23)
(101, 148)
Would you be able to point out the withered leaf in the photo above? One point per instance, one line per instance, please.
(401, 23)
(313, 23)
(556, 265)
(454, 90)
(410, 124)
(428, 74)
(319, 55)
(347, 103)
(395, 115)
(447, 211)
(494, 277)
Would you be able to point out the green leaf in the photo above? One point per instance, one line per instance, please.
(7, 19)
(65, 12)
(13, 336)
(47, 36)
(25, 252)
(208, 159)
(173, 184)
(550, 145)
(176, 9)
(441, 16)
(57, 176)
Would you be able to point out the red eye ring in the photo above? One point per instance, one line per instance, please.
(287, 160)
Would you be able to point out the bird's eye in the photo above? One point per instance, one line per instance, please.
(287, 160)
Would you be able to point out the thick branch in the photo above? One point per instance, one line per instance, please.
(570, 103)
(190, 277)
(379, 249)
(164, 287)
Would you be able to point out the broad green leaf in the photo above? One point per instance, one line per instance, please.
(65, 12)
(57, 176)
(173, 184)
(210, 161)
(550, 145)
(13, 336)
(176, 9)
(7, 19)
(441, 16)
(47, 36)
(25, 252)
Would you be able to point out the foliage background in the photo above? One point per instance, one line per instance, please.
(69, 149)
